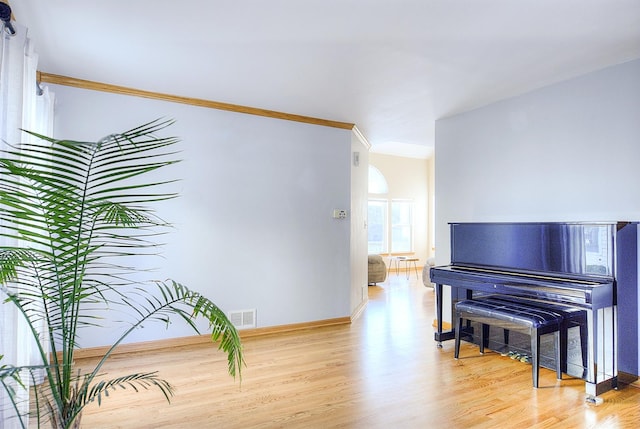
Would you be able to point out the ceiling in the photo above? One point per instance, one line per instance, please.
(392, 67)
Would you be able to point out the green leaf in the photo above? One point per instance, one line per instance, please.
(70, 211)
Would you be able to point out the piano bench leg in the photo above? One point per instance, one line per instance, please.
(558, 350)
(484, 337)
(535, 357)
(564, 345)
(456, 353)
(584, 341)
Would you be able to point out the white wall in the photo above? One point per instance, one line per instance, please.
(358, 221)
(567, 152)
(253, 225)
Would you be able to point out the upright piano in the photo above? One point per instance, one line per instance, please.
(592, 266)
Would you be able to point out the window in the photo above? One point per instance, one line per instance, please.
(401, 226)
(388, 234)
(396, 229)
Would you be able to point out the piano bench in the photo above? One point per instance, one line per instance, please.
(516, 316)
(571, 317)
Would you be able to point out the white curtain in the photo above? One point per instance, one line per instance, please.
(23, 105)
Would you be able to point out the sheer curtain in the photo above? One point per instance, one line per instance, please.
(23, 105)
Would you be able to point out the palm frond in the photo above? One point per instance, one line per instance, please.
(10, 372)
(70, 211)
(136, 382)
(10, 379)
(174, 299)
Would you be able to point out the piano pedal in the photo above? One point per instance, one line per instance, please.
(526, 359)
(517, 356)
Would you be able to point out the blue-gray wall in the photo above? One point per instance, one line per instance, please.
(253, 225)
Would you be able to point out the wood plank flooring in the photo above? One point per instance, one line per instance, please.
(382, 371)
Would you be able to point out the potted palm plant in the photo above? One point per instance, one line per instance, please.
(70, 213)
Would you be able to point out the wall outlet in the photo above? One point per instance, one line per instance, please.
(339, 214)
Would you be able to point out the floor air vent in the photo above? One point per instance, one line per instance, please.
(243, 319)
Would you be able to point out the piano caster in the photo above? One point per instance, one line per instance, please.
(439, 345)
(594, 400)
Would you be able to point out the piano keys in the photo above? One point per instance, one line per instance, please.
(572, 263)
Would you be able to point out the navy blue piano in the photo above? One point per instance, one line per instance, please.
(592, 266)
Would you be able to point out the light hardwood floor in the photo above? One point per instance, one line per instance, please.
(382, 371)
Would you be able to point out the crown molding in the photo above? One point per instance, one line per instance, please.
(116, 89)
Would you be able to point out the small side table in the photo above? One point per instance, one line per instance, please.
(408, 262)
(398, 259)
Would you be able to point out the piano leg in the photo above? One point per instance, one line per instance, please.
(438, 315)
(441, 336)
(591, 348)
(601, 371)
